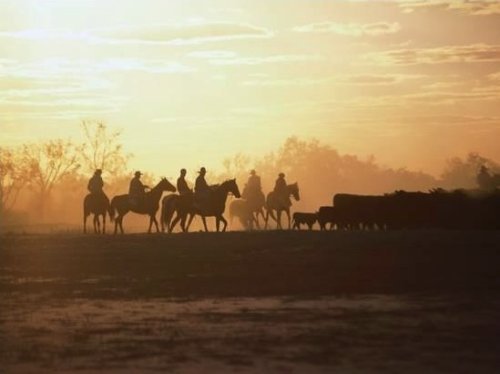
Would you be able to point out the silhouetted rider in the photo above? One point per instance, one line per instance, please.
(281, 190)
(253, 190)
(253, 183)
(182, 185)
(137, 190)
(201, 187)
(96, 183)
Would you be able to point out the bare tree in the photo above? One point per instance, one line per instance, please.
(13, 177)
(102, 149)
(47, 163)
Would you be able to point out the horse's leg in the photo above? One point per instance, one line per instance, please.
(204, 223)
(174, 222)
(94, 221)
(121, 223)
(221, 218)
(85, 222)
(156, 224)
(150, 224)
(266, 219)
(217, 223)
(191, 217)
(104, 223)
(257, 218)
(287, 211)
(271, 213)
(182, 220)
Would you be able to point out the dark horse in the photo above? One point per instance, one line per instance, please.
(97, 204)
(184, 205)
(274, 202)
(149, 205)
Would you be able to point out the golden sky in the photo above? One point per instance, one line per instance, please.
(190, 82)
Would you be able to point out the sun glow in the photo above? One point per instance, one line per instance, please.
(193, 82)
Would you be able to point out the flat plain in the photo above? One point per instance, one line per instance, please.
(277, 301)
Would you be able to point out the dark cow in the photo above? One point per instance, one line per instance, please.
(326, 214)
(358, 212)
(437, 209)
(308, 219)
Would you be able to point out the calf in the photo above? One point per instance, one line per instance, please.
(304, 218)
(326, 214)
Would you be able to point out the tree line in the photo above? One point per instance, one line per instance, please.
(40, 168)
(50, 176)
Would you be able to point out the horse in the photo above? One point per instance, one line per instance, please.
(149, 205)
(273, 202)
(185, 205)
(97, 204)
(243, 210)
(249, 208)
(172, 204)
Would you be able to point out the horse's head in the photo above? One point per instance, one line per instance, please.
(165, 185)
(294, 191)
(233, 187)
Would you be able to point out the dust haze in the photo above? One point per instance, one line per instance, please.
(43, 183)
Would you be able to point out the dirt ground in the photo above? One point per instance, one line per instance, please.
(290, 302)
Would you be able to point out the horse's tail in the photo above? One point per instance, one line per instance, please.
(167, 211)
(111, 211)
(162, 215)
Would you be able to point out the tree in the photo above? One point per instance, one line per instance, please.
(102, 149)
(13, 177)
(462, 173)
(47, 163)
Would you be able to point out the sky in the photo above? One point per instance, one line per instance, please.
(191, 82)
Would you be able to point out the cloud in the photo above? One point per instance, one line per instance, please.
(260, 60)
(49, 35)
(438, 55)
(476, 7)
(352, 79)
(212, 54)
(495, 77)
(379, 79)
(184, 33)
(351, 29)
(187, 33)
(50, 68)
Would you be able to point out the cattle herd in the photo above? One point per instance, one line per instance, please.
(437, 209)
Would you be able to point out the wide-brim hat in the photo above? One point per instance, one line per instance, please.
(252, 172)
(281, 175)
(137, 173)
(98, 171)
(202, 170)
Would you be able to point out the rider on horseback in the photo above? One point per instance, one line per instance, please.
(96, 183)
(201, 188)
(253, 190)
(182, 186)
(281, 190)
(137, 190)
(253, 183)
